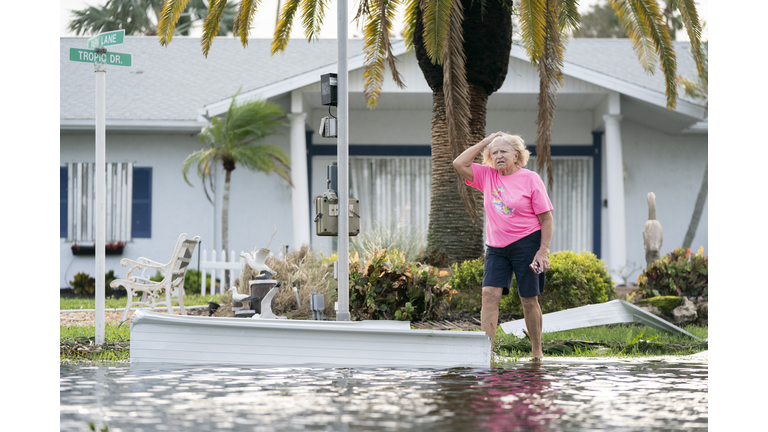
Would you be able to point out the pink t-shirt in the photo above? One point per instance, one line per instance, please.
(511, 203)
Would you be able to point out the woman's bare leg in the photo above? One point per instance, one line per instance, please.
(489, 314)
(533, 322)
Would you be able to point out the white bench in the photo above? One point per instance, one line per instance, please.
(172, 285)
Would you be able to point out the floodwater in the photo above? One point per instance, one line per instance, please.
(559, 395)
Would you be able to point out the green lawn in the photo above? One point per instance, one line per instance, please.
(625, 340)
(119, 303)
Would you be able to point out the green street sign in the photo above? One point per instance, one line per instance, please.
(114, 37)
(90, 56)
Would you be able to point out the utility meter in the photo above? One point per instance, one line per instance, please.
(327, 216)
(327, 209)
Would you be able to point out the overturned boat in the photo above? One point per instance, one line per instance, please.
(198, 340)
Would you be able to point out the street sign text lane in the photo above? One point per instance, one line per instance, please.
(114, 37)
(90, 56)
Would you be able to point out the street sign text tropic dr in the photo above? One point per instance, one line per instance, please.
(110, 58)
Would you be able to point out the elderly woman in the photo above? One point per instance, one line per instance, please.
(518, 228)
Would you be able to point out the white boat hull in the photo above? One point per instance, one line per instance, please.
(194, 340)
(612, 312)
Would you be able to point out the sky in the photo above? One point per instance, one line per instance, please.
(265, 18)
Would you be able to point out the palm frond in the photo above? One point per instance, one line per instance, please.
(204, 160)
(637, 33)
(649, 16)
(437, 18)
(391, 9)
(550, 78)
(362, 10)
(409, 23)
(569, 18)
(265, 158)
(378, 49)
(172, 10)
(244, 18)
(690, 18)
(284, 24)
(373, 73)
(313, 12)
(211, 25)
(533, 27)
(456, 91)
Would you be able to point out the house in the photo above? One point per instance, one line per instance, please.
(613, 141)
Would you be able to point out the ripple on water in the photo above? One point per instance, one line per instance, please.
(556, 396)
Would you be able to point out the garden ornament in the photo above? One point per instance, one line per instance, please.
(256, 260)
(652, 234)
(242, 298)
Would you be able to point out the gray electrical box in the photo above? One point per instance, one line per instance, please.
(327, 216)
(329, 89)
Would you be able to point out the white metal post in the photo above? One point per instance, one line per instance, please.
(100, 182)
(343, 158)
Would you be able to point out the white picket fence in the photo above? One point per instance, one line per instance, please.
(216, 268)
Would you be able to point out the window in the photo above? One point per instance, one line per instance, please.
(128, 202)
(393, 191)
(572, 200)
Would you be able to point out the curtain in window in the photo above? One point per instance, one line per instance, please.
(393, 191)
(81, 196)
(572, 200)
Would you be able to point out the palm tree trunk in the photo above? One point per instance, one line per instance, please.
(452, 235)
(225, 225)
(697, 210)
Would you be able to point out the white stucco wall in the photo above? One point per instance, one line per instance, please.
(179, 208)
(569, 127)
(672, 167)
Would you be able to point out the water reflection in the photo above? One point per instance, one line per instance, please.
(519, 397)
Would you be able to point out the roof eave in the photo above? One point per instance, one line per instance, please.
(134, 125)
(290, 84)
(620, 86)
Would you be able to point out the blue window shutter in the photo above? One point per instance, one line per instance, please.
(63, 202)
(142, 202)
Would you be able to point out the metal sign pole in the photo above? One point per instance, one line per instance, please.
(100, 187)
(343, 154)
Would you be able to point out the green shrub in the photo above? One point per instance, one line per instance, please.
(666, 303)
(83, 283)
(387, 287)
(677, 273)
(573, 280)
(192, 282)
(467, 281)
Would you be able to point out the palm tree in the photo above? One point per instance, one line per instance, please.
(234, 140)
(600, 22)
(438, 29)
(136, 17)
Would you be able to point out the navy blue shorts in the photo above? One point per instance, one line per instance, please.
(514, 259)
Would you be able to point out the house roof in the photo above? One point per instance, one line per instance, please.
(169, 87)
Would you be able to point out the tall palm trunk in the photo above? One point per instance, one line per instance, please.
(451, 229)
(454, 235)
(698, 209)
